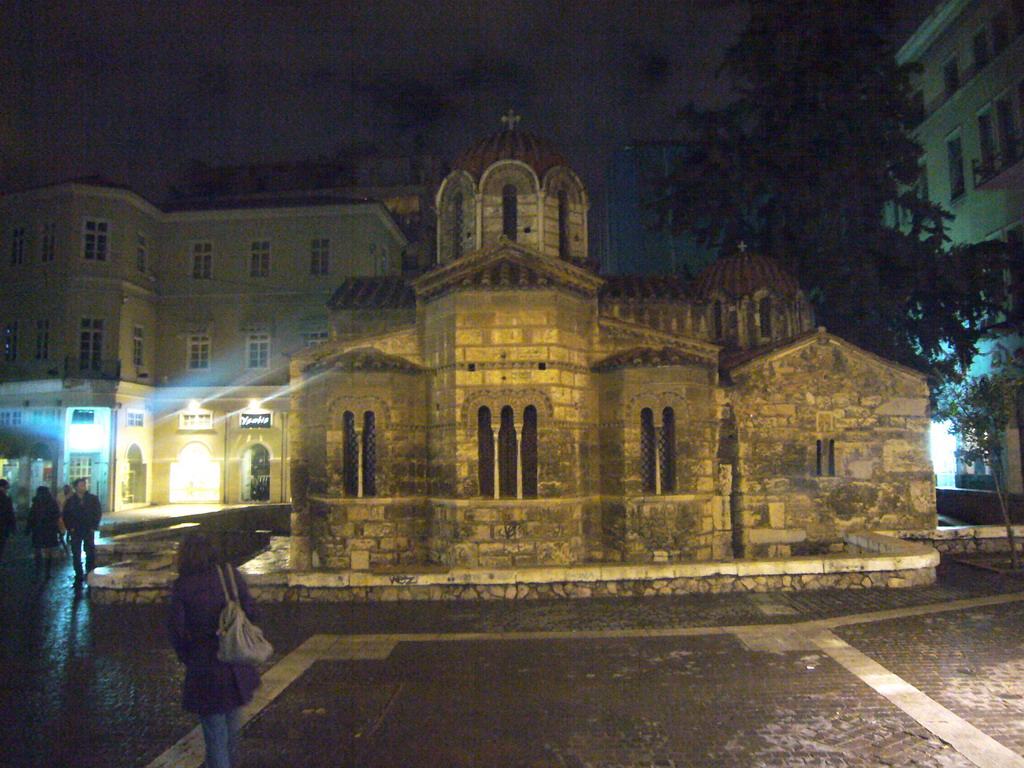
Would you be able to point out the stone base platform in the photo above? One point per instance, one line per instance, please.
(871, 560)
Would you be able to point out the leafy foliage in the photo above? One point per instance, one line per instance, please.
(979, 409)
(814, 163)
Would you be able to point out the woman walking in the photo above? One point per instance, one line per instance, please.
(43, 525)
(213, 690)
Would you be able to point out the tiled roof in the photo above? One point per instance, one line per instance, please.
(510, 145)
(372, 293)
(645, 287)
(742, 274)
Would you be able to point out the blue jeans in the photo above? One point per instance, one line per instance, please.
(219, 732)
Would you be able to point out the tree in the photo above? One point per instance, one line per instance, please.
(813, 163)
(979, 410)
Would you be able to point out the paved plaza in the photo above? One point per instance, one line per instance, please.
(930, 676)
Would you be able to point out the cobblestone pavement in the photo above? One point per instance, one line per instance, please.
(570, 684)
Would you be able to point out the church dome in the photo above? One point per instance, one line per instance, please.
(510, 144)
(743, 274)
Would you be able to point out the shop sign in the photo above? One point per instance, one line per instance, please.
(254, 420)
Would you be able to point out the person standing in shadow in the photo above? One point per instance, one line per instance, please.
(214, 690)
(82, 517)
(8, 522)
(42, 525)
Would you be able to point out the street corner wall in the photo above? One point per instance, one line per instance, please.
(831, 439)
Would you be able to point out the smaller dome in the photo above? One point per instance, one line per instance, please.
(742, 274)
(510, 144)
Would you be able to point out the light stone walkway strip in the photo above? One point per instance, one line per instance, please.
(974, 744)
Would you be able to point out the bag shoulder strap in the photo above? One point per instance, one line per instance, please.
(229, 595)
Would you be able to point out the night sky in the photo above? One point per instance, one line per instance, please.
(134, 89)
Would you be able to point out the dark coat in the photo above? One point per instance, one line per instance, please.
(211, 686)
(82, 515)
(8, 522)
(42, 522)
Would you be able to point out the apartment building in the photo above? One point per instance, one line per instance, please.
(147, 346)
(971, 81)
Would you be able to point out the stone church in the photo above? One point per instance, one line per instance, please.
(511, 407)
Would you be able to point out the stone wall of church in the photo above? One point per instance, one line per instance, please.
(508, 533)
(494, 349)
(829, 441)
(681, 519)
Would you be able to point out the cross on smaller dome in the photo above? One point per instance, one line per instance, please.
(511, 120)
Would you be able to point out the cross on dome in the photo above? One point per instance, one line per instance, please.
(511, 120)
(741, 246)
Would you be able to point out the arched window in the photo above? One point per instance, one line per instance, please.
(508, 463)
(529, 451)
(369, 454)
(563, 224)
(765, 317)
(349, 455)
(648, 466)
(826, 460)
(457, 224)
(510, 211)
(485, 452)
(667, 451)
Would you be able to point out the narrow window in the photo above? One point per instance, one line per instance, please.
(90, 345)
(485, 452)
(42, 338)
(47, 243)
(765, 311)
(350, 456)
(951, 77)
(319, 256)
(508, 449)
(198, 352)
(94, 240)
(137, 348)
(985, 142)
(563, 224)
(202, 261)
(1000, 31)
(510, 211)
(457, 224)
(259, 259)
(647, 449)
(831, 458)
(979, 46)
(369, 454)
(817, 469)
(667, 452)
(17, 246)
(529, 451)
(141, 256)
(258, 350)
(955, 156)
(1007, 132)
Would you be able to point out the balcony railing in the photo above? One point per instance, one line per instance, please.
(75, 368)
(987, 169)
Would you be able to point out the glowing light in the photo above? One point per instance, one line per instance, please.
(943, 452)
(193, 405)
(254, 403)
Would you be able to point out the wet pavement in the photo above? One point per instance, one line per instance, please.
(929, 676)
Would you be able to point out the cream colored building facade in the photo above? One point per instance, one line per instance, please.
(148, 348)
